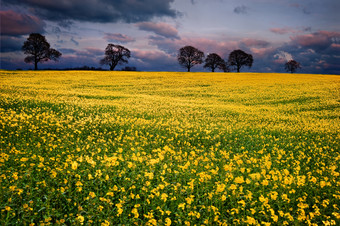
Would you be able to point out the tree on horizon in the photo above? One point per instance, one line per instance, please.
(114, 55)
(38, 50)
(214, 61)
(189, 56)
(239, 58)
(292, 65)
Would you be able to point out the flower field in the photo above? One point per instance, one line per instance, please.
(169, 148)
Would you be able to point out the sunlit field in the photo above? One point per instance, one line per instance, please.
(167, 148)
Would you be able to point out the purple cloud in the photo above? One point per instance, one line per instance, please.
(14, 23)
(121, 38)
(162, 29)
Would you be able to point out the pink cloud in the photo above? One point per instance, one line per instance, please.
(13, 23)
(203, 44)
(318, 40)
(110, 37)
(163, 29)
(148, 54)
(261, 52)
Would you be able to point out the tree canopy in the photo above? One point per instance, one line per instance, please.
(292, 65)
(239, 58)
(114, 55)
(189, 56)
(214, 61)
(38, 50)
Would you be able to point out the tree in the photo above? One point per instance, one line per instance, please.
(214, 61)
(238, 58)
(38, 50)
(189, 56)
(114, 55)
(291, 66)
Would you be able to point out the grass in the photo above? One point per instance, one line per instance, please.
(167, 148)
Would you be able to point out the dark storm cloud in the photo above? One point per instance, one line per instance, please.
(317, 52)
(241, 9)
(11, 43)
(13, 23)
(116, 37)
(98, 10)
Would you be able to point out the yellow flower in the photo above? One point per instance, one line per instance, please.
(164, 197)
(105, 223)
(250, 220)
(181, 205)
(92, 194)
(239, 180)
(273, 195)
(74, 165)
(135, 212)
(167, 221)
(223, 198)
(190, 199)
(80, 218)
(242, 202)
(220, 187)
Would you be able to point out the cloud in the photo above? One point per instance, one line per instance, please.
(204, 44)
(162, 29)
(304, 9)
(282, 31)
(97, 10)
(318, 41)
(155, 59)
(121, 38)
(241, 9)
(283, 57)
(254, 42)
(317, 52)
(13, 23)
(74, 41)
(11, 43)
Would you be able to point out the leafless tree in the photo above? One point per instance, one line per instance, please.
(38, 50)
(189, 56)
(291, 66)
(114, 55)
(239, 58)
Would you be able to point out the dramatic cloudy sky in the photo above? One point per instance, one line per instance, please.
(273, 31)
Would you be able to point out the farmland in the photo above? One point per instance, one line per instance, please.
(169, 148)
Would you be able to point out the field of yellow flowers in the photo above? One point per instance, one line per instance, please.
(169, 148)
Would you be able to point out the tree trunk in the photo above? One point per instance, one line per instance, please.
(35, 65)
(188, 69)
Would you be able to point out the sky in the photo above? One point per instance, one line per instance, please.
(273, 31)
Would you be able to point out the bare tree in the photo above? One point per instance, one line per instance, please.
(114, 55)
(238, 58)
(214, 61)
(189, 56)
(291, 66)
(38, 50)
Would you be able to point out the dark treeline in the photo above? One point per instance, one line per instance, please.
(38, 50)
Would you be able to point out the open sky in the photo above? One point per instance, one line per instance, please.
(273, 31)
